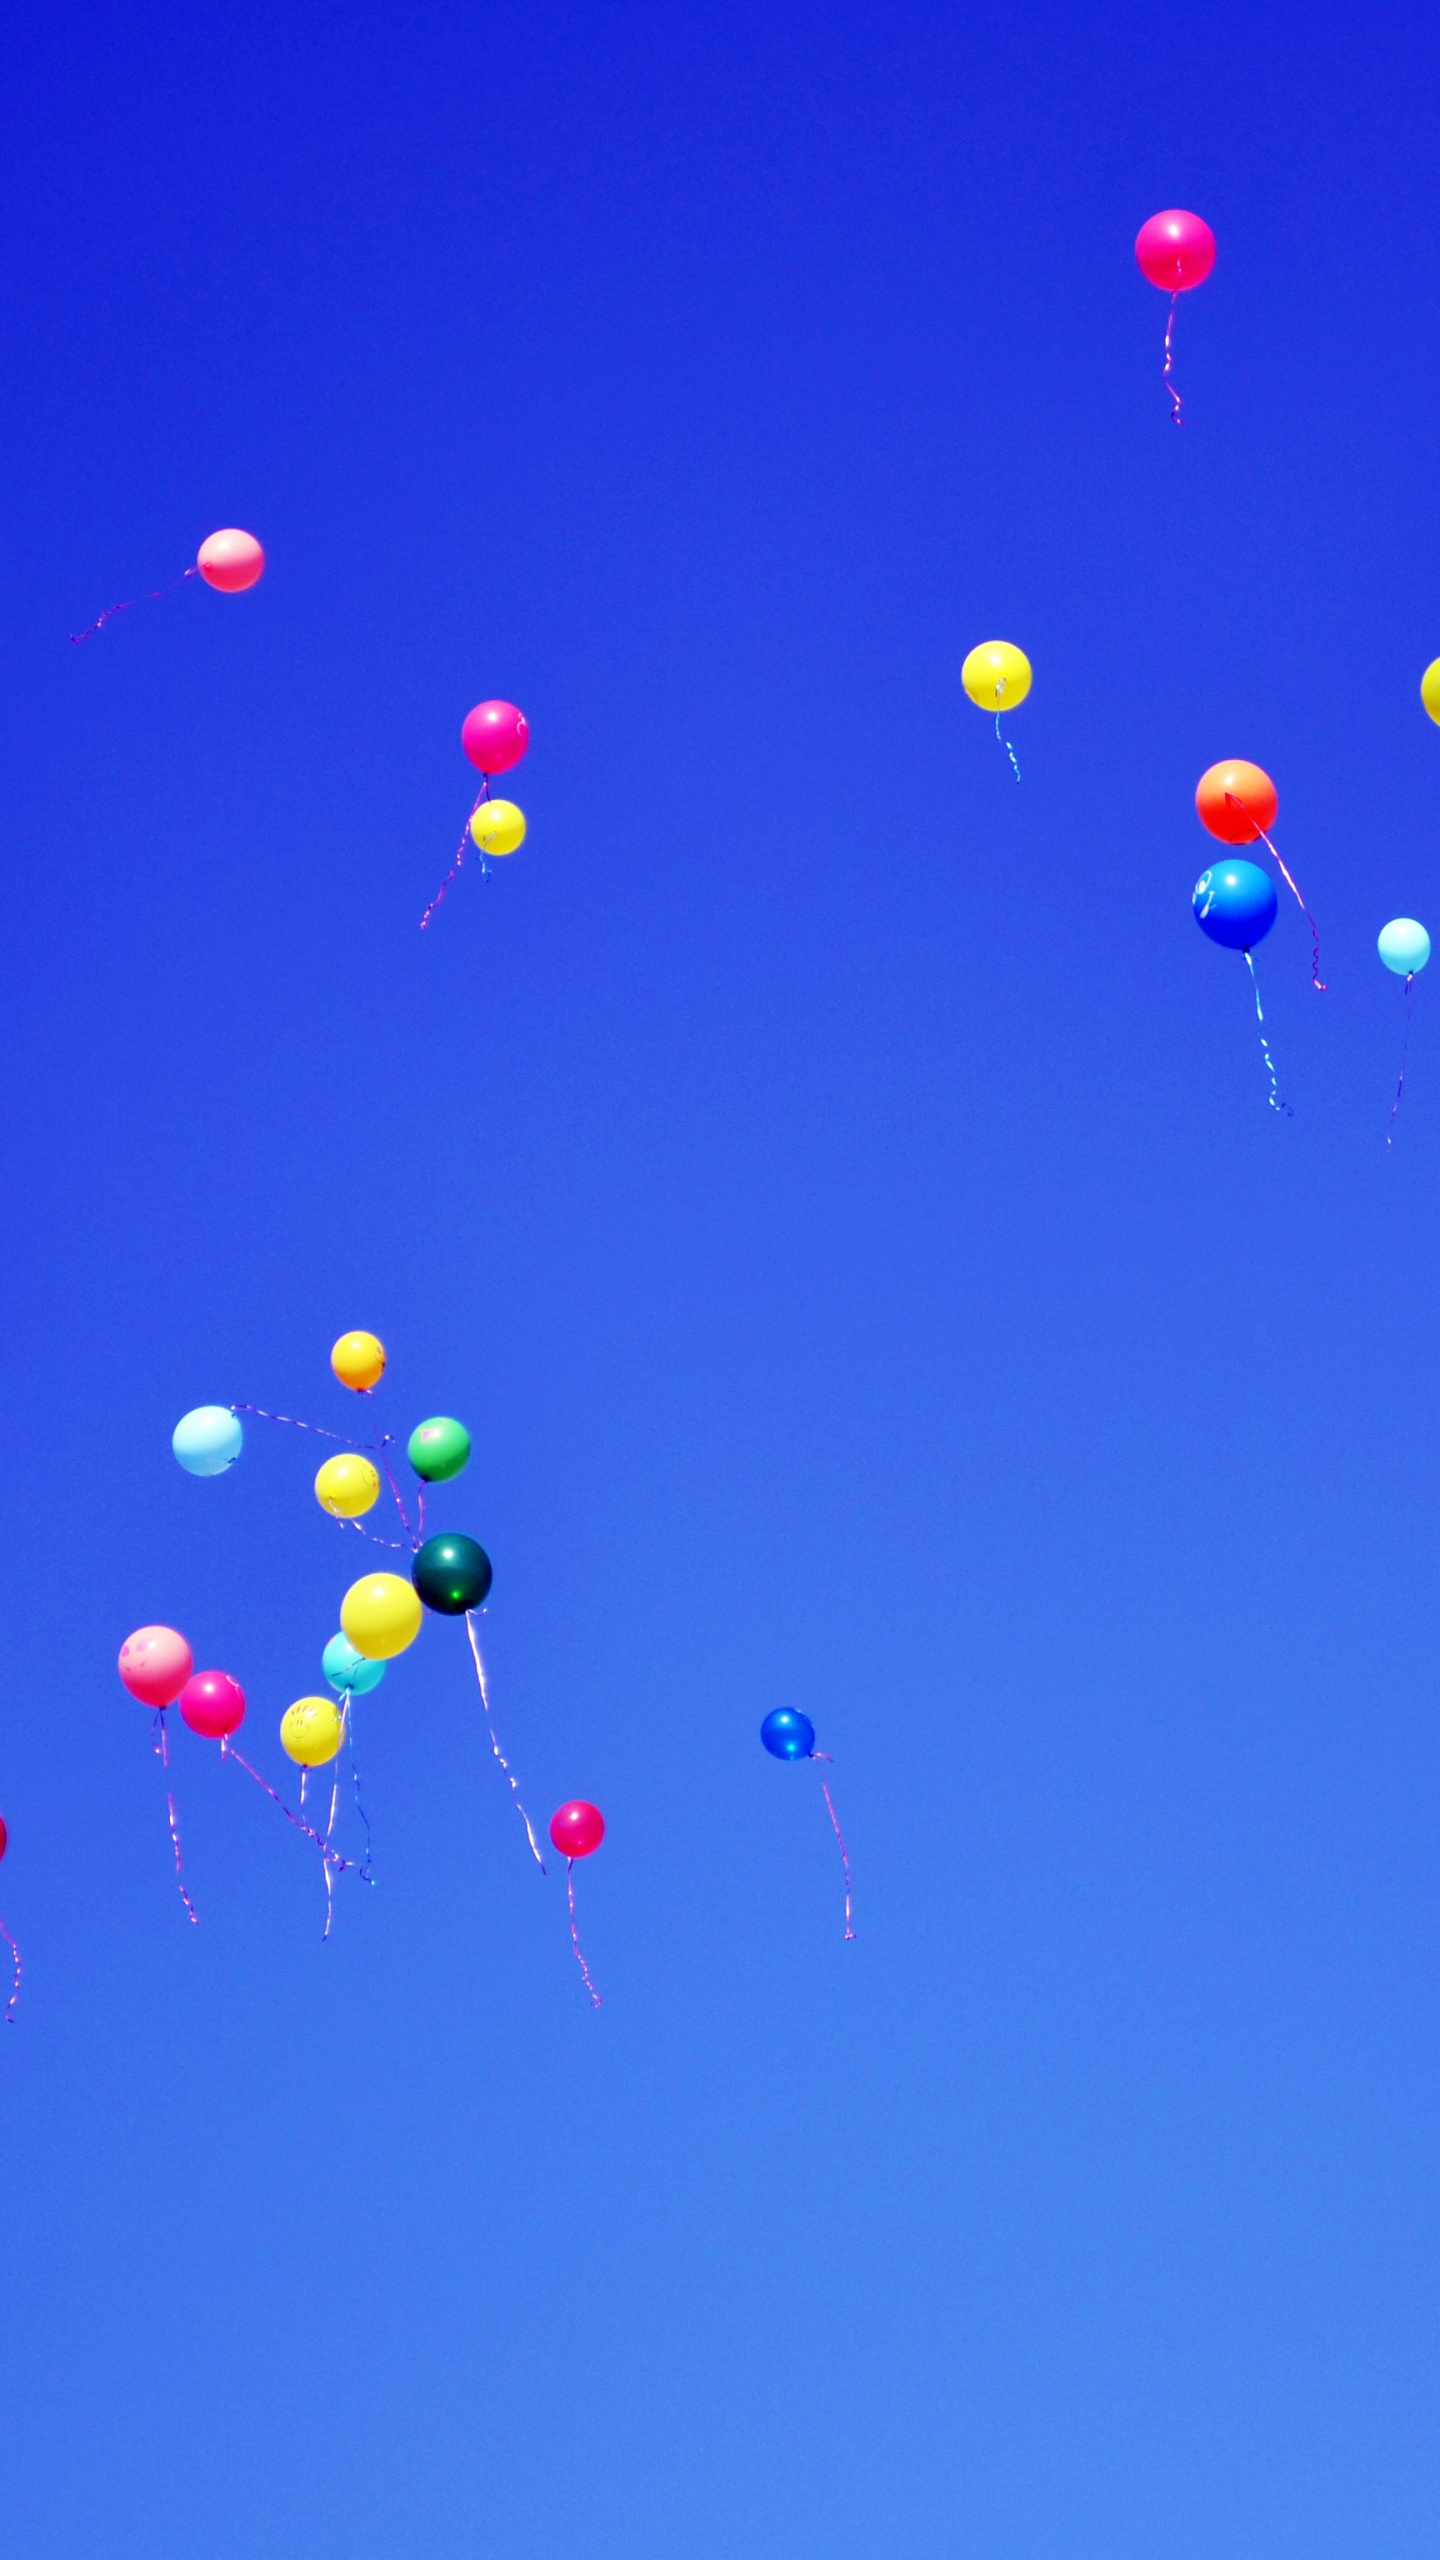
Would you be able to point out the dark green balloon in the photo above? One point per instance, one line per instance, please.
(451, 1575)
(438, 1449)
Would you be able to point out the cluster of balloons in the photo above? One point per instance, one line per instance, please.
(229, 561)
(494, 736)
(789, 1735)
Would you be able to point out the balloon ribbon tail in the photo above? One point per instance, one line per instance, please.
(1318, 981)
(1177, 414)
(575, 1935)
(335, 1865)
(127, 602)
(840, 1838)
(508, 1772)
(160, 1744)
(15, 1959)
(454, 871)
(1009, 750)
(1275, 1102)
(1404, 1057)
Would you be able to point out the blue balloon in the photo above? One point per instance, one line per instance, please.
(351, 1672)
(1235, 903)
(788, 1734)
(208, 1440)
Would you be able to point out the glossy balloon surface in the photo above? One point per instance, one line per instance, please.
(1404, 946)
(788, 1734)
(208, 1440)
(155, 1663)
(577, 1829)
(494, 736)
(347, 1485)
(451, 1574)
(345, 1667)
(996, 675)
(381, 1615)
(1430, 688)
(358, 1360)
(1175, 250)
(439, 1448)
(231, 560)
(312, 1731)
(497, 826)
(213, 1704)
(1235, 903)
(1236, 801)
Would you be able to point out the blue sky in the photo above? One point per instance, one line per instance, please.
(838, 1192)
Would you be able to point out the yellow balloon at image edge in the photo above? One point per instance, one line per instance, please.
(497, 826)
(996, 675)
(346, 1486)
(381, 1615)
(312, 1731)
(1430, 689)
(358, 1360)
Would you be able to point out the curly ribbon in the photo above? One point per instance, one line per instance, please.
(152, 597)
(575, 1934)
(454, 871)
(840, 1837)
(1177, 414)
(999, 732)
(296, 1425)
(495, 1742)
(1404, 1057)
(1317, 980)
(15, 1957)
(335, 1865)
(1275, 1102)
(160, 1745)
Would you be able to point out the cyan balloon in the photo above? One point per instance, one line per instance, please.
(788, 1734)
(208, 1440)
(350, 1672)
(1235, 904)
(1404, 946)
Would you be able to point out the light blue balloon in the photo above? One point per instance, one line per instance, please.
(208, 1440)
(1404, 946)
(350, 1672)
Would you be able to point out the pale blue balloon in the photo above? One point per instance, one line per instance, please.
(208, 1440)
(351, 1672)
(1404, 946)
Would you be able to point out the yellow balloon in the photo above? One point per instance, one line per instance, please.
(358, 1360)
(498, 826)
(312, 1731)
(996, 675)
(381, 1615)
(1430, 688)
(347, 1485)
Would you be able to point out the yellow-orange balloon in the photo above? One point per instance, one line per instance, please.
(358, 1360)
(1430, 688)
(312, 1731)
(497, 826)
(996, 675)
(347, 1485)
(381, 1615)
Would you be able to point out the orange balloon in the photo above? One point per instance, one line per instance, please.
(1237, 802)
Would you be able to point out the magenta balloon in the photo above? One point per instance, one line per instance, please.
(213, 1704)
(1175, 250)
(494, 736)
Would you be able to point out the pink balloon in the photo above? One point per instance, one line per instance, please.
(212, 1703)
(155, 1664)
(577, 1829)
(494, 736)
(1175, 250)
(231, 561)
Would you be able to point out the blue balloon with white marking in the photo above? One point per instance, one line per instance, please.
(352, 1673)
(208, 1440)
(788, 1734)
(1235, 904)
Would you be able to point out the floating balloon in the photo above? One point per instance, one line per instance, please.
(213, 1704)
(1404, 946)
(1430, 689)
(347, 1486)
(996, 675)
(497, 826)
(1175, 251)
(155, 1663)
(789, 1735)
(312, 1731)
(494, 736)
(358, 1360)
(208, 1440)
(438, 1449)
(451, 1574)
(230, 561)
(576, 1830)
(1237, 802)
(1235, 903)
(381, 1615)
(349, 1670)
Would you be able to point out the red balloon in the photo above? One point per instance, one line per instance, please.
(1237, 801)
(494, 736)
(1175, 250)
(155, 1664)
(577, 1829)
(231, 560)
(213, 1704)
(4, 1839)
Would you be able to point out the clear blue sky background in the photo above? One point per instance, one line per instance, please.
(837, 1188)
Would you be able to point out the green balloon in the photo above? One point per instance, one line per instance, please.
(451, 1575)
(438, 1449)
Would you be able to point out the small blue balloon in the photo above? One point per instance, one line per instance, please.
(1235, 904)
(788, 1734)
(208, 1440)
(350, 1672)
(1404, 946)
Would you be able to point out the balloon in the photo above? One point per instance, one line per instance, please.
(494, 736)
(1235, 904)
(996, 675)
(577, 1829)
(4, 1839)
(381, 1615)
(213, 1704)
(346, 1668)
(1404, 946)
(438, 1449)
(497, 826)
(788, 1734)
(1175, 250)
(208, 1440)
(1237, 802)
(231, 560)
(451, 1574)
(155, 1664)
(358, 1361)
(1430, 688)
(312, 1731)
(347, 1485)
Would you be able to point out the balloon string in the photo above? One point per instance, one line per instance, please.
(1404, 1057)
(575, 1934)
(840, 1836)
(348, 1711)
(1275, 1102)
(495, 1742)
(160, 1745)
(1177, 415)
(331, 1856)
(1318, 981)
(153, 596)
(15, 1994)
(296, 1425)
(454, 870)
(999, 732)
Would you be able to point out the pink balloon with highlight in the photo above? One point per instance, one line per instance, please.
(230, 560)
(1175, 250)
(213, 1704)
(155, 1664)
(494, 736)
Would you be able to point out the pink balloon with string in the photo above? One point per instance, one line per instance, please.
(494, 736)
(155, 1663)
